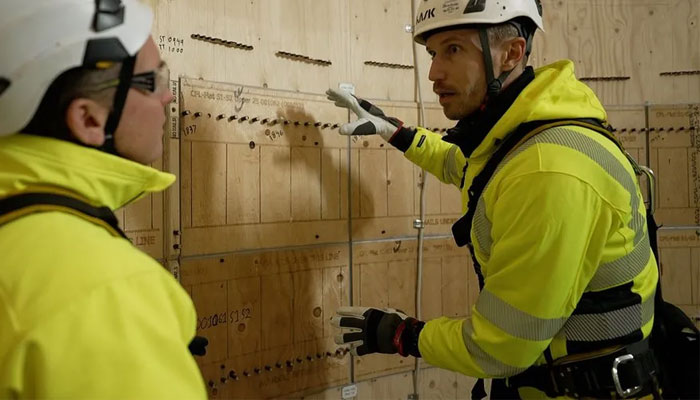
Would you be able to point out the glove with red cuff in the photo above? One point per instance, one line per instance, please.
(371, 330)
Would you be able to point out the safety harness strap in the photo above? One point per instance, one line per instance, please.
(17, 206)
(618, 373)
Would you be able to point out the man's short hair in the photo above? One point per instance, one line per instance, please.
(499, 33)
(50, 117)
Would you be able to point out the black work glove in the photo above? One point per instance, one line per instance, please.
(198, 346)
(371, 330)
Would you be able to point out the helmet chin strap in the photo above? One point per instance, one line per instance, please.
(493, 84)
(125, 75)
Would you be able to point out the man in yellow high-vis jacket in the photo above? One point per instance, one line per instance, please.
(84, 313)
(559, 231)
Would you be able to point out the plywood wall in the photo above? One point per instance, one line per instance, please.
(674, 144)
(433, 383)
(276, 220)
(142, 221)
(266, 317)
(280, 215)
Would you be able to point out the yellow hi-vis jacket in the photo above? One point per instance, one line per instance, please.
(83, 313)
(560, 234)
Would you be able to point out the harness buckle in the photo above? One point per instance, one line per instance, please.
(624, 393)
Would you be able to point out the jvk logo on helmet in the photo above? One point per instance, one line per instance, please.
(425, 15)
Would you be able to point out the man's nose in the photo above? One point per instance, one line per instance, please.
(437, 72)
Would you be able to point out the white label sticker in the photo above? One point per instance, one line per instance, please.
(348, 87)
(349, 392)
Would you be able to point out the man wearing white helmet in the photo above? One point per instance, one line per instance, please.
(83, 313)
(553, 215)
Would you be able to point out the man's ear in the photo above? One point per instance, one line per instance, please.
(86, 119)
(513, 53)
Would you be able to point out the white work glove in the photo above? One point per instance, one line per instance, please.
(372, 330)
(371, 119)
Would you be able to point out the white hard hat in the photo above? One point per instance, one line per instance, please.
(439, 14)
(41, 39)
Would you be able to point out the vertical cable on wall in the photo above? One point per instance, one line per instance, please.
(350, 258)
(420, 222)
(647, 105)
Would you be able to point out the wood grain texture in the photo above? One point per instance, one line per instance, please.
(676, 278)
(270, 337)
(673, 139)
(242, 184)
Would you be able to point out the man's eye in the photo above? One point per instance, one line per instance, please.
(453, 49)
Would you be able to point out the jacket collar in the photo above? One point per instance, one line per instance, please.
(471, 130)
(553, 94)
(39, 163)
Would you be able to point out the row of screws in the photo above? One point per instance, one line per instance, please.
(388, 65)
(263, 120)
(679, 73)
(324, 125)
(288, 55)
(605, 78)
(222, 42)
(670, 129)
(303, 58)
(289, 364)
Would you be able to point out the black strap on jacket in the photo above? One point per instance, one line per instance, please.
(17, 206)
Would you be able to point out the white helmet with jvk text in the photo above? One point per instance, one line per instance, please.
(438, 14)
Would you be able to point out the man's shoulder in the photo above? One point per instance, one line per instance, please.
(53, 259)
(578, 153)
(59, 237)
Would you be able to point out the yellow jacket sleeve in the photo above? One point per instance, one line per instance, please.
(548, 231)
(427, 150)
(127, 341)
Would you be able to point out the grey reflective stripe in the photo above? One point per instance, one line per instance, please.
(624, 269)
(596, 152)
(488, 363)
(515, 322)
(482, 229)
(612, 273)
(609, 325)
(453, 172)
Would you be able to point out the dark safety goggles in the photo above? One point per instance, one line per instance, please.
(155, 81)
